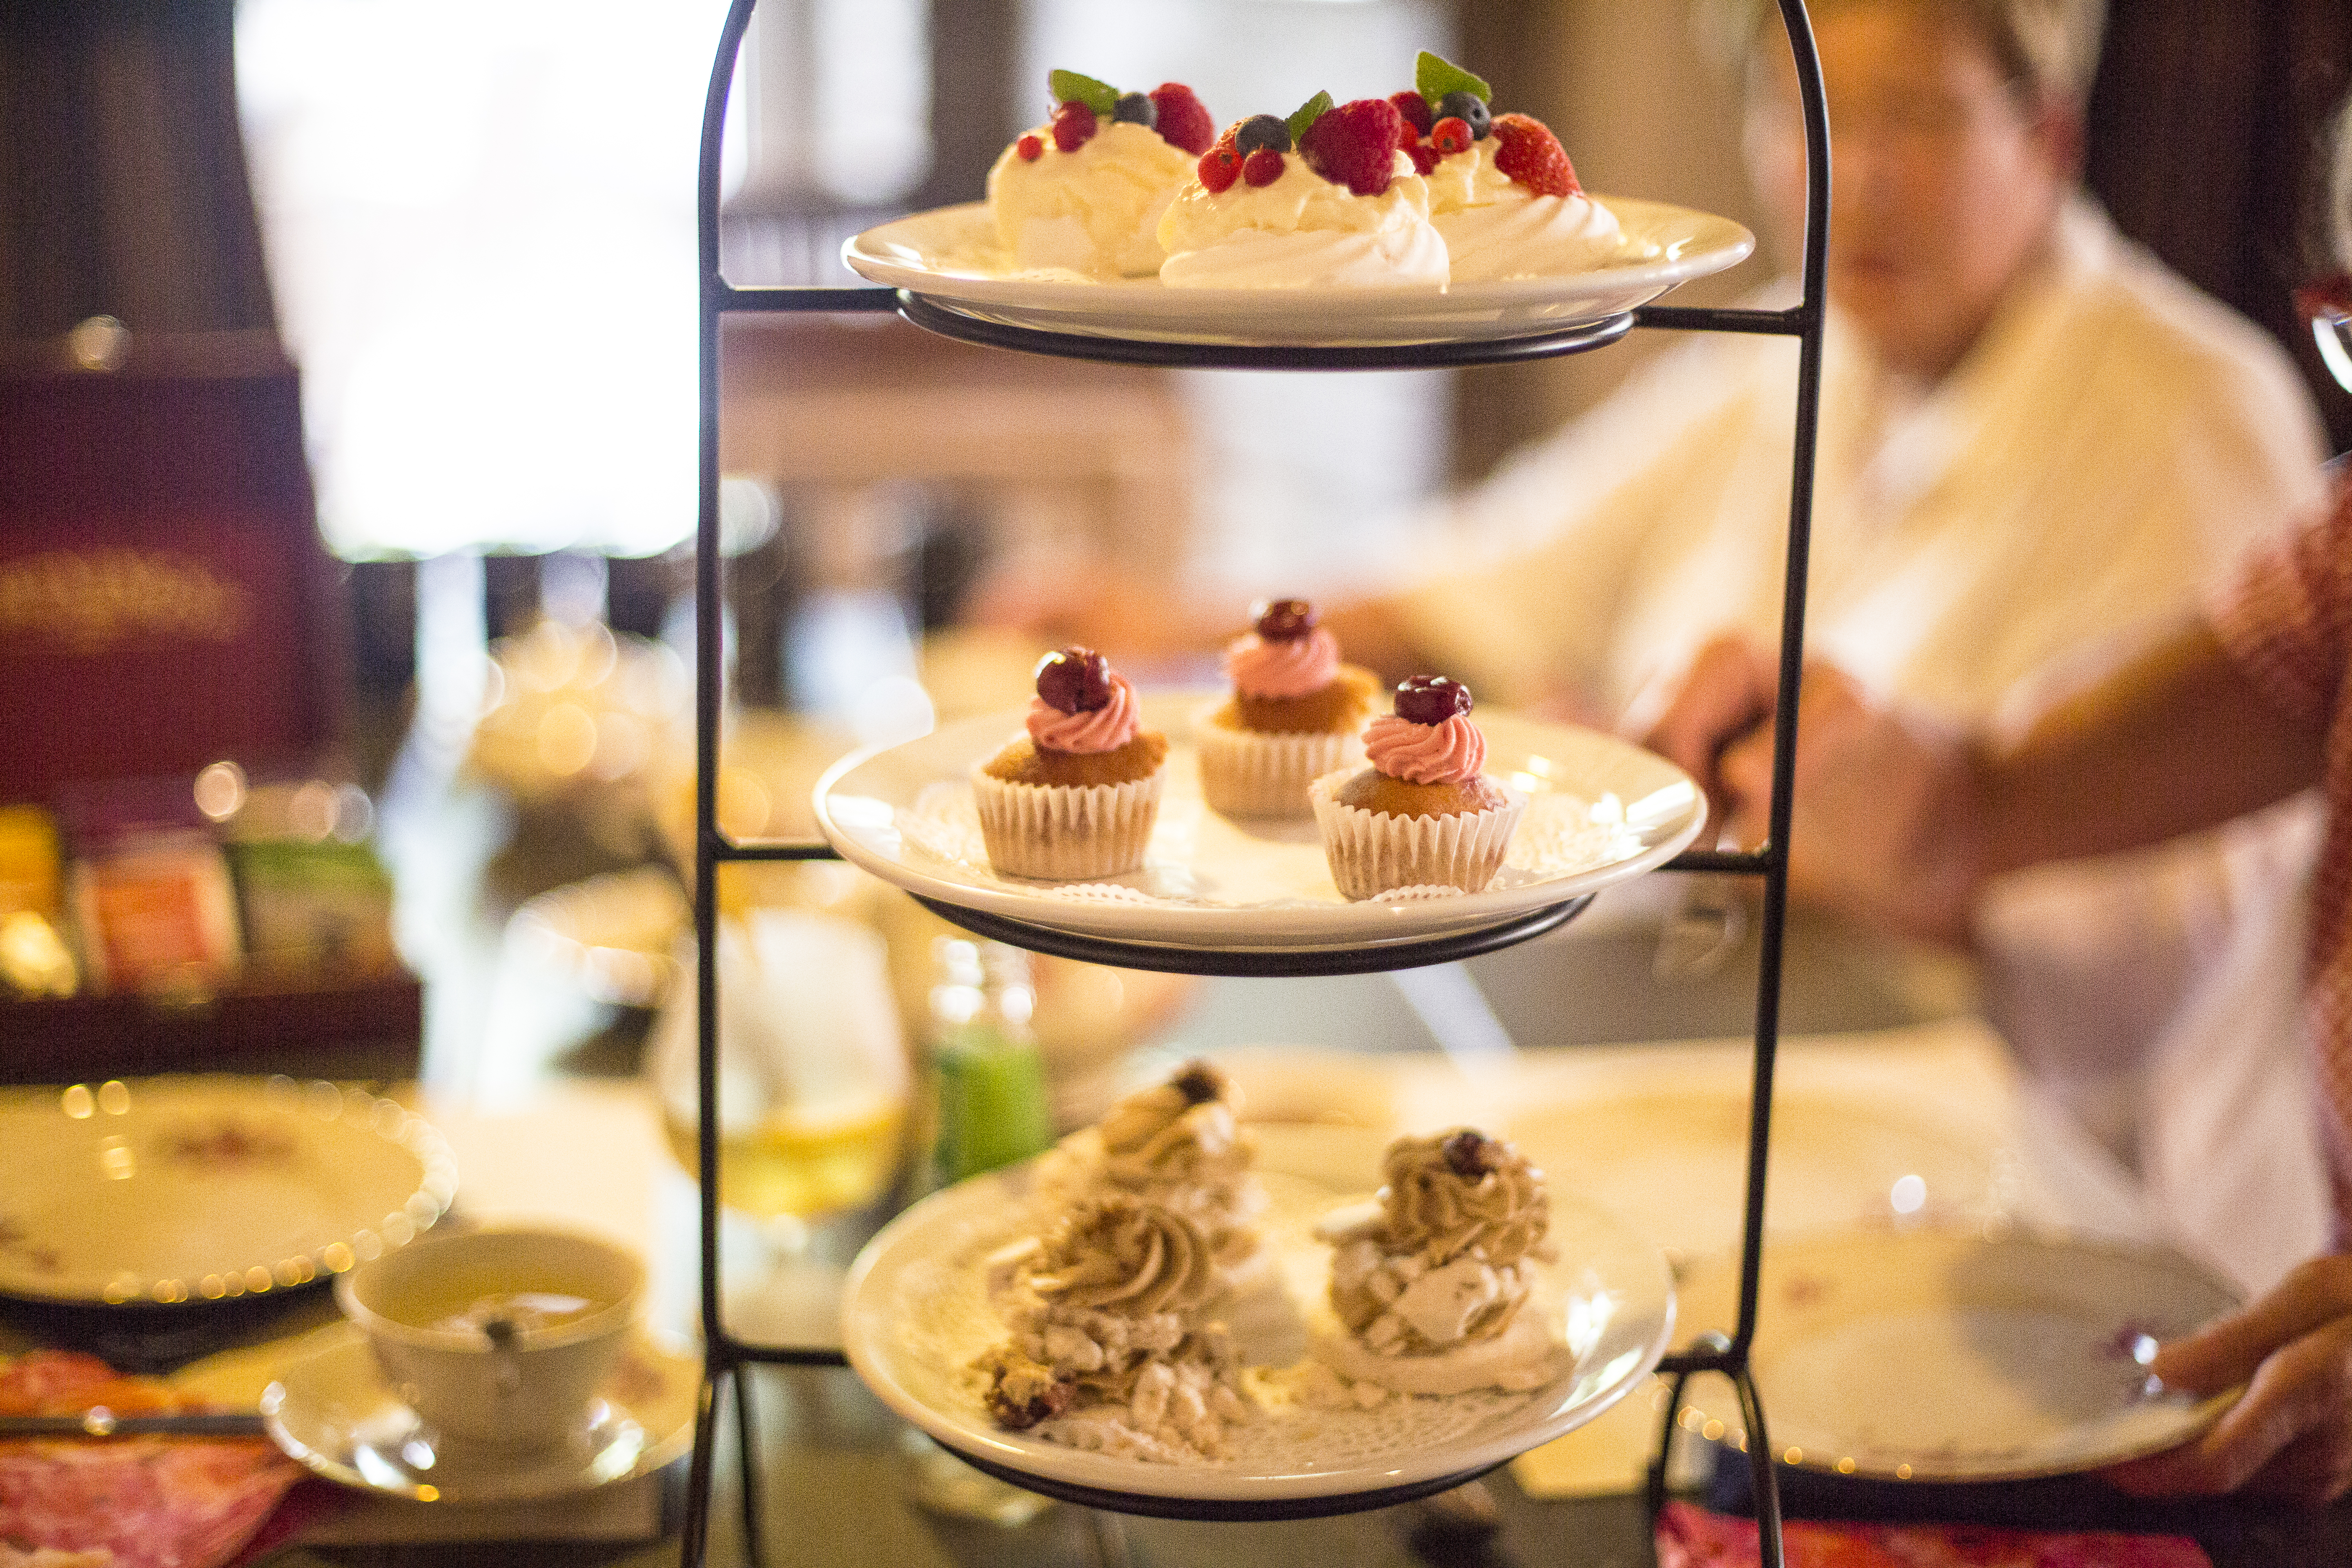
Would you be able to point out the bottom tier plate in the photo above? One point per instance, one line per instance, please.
(916, 1314)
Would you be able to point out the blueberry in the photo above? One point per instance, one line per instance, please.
(1137, 109)
(1285, 620)
(1468, 107)
(1074, 679)
(1431, 700)
(1270, 131)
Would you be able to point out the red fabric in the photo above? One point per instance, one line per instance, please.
(1689, 1537)
(2288, 624)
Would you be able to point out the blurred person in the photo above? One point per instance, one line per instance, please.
(1907, 821)
(2035, 442)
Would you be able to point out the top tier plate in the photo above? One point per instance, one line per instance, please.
(1599, 811)
(949, 256)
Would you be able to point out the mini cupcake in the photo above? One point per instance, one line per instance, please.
(1075, 797)
(1423, 814)
(1295, 714)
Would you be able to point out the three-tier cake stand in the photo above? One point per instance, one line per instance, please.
(727, 1357)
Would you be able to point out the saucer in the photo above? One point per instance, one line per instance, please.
(332, 1411)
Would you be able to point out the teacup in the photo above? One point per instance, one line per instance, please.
(500, 1336)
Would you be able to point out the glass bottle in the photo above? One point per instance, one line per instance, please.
(989, 1100)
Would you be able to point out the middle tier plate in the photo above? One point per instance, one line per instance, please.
(1599, 811)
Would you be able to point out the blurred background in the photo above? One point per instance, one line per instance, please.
(470, 226)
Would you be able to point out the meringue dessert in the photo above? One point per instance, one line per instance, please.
(1113, 1346)
(1501, 190)
(1321, 199)
(1434, 1283)
(1176, 1144)
(1085, 191)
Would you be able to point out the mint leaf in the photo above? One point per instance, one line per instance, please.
(1070, 87)
(1306, 114)
(1434, 77)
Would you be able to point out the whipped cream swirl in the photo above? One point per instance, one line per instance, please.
(1103, 729)
(1451, 753)
(1291, 666)
(1440, 1204)
(1123, 1255)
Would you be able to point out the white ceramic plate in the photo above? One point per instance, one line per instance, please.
(1674, 1161)
(951, 256)
(914, 1315)
(332, 1411)
(1940, 1355)
(190, 1190)
(1599, 811)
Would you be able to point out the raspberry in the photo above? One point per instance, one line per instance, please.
(1262, 167)
(1424, 157)
(1183, 119)
(1451, 135)
(1415, 109)
(1354, 144)
(1074, 125)
(1219, 167)
(1532, 155)
(1030, 149)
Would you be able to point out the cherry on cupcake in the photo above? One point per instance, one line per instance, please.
(1285, 620)
(1431, 700)
(1075, 679)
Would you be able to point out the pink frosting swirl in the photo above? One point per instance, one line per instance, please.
(1294, 667)
(1103, 729)
(1451, 753)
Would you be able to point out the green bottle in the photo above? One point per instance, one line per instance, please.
(988, 1076)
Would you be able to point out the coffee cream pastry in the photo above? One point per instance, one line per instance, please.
(1176, 1144)
(1113, 1346)
(1434, 1282)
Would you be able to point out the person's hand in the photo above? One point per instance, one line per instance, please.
(1882, 821)
(2291, 1434)
(1727, 692)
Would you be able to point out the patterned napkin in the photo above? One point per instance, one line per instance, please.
(1690, 1537)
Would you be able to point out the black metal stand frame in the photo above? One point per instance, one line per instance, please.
(727, 1358)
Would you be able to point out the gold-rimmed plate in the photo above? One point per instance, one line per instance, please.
(186, 1191)
(1961, 1355)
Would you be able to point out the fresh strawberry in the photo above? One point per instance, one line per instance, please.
(1183, 119)
(1030, 149)
(1074, 125)
(1424, 157)
(1415, 109)
(1449, 135)
(1529, 153)
(1262, 167)
(1354, 144)
(1221, 165)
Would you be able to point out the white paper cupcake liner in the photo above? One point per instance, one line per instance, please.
(1066, 833)
(1247, 773)
(1369, 853)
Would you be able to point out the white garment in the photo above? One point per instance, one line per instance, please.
(2111, 443)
